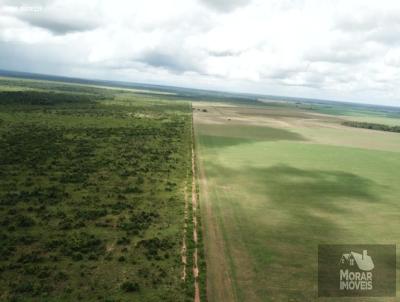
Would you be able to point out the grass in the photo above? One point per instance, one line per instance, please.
(276, 198)
(247, 133)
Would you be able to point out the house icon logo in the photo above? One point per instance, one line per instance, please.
(363, 261)
(356, 271)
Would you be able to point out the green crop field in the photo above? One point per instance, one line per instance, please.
(93, 186)
(276, 181)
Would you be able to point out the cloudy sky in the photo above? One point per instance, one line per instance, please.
(334, 49)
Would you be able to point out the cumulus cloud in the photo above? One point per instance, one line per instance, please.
(336, 49)
(381, 25)
(225, 5)
(175, 62)
(58, 26)
(339, 55)
(57, 17)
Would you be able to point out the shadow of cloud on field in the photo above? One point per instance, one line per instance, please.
(286, 184)
(217, 142)
(227, 136)
(279, 216)
(301, 193)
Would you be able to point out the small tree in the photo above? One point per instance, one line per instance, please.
(130, 287)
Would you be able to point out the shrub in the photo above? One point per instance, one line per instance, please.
(81, 243)
(24, 221)
(77, 257)
(123, 241)
(130, 287)
(61, 276)
(32, 257)
(23, 287)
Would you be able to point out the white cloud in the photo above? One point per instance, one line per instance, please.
(327, 49)
(226, 5)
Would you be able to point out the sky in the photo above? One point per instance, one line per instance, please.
(345, 50)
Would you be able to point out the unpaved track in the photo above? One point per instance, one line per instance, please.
(195, 227)
(194, 209)
(219, 283)
(184, 247)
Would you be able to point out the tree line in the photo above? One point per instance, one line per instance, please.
(372, 126)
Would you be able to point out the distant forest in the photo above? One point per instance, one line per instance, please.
(372, 126)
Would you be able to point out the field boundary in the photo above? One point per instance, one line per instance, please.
(185, 226)
(200, 261)
(218, 282)
(195, 226)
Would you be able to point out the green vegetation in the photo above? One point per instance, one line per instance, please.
(271, 196)
(92, 194)
(96, 192)
(349, 109)
(372, 126)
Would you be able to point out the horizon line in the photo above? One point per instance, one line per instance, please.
(65, 78)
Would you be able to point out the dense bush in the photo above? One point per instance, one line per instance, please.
(138, 222)
(154, 246)
(372, 126)
(130, 286)
(81, 243)
(86, 186)
(24, 221)
(41, 98)
(90, 214)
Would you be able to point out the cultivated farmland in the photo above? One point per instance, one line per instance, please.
(278, 179)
